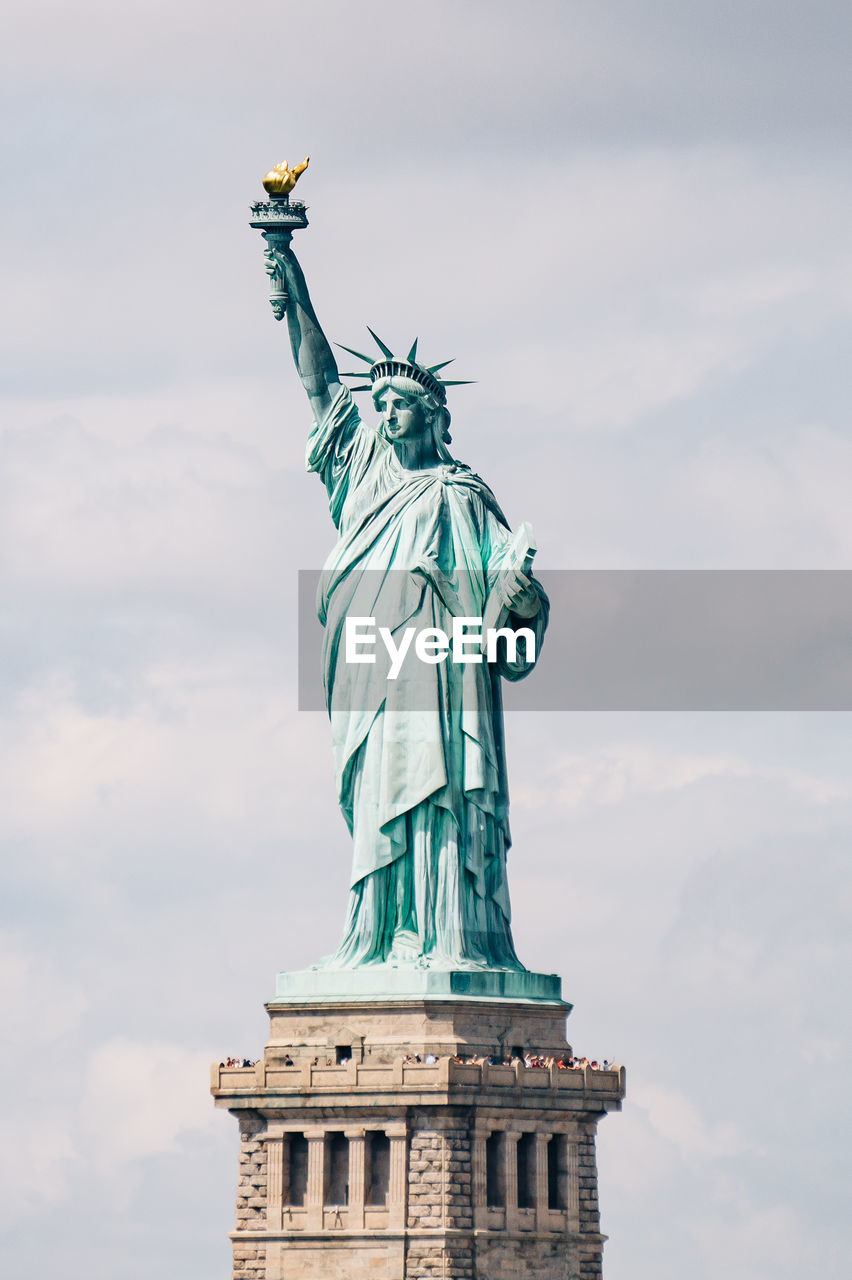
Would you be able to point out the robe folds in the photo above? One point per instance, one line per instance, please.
(419, 759)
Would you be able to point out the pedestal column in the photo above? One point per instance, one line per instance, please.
(398, 1178)
(316, 1178)
(357, 1175)
(274, 1182)
(479, 1177)
(572, 1157)
(541, 1182)
(510, 1177)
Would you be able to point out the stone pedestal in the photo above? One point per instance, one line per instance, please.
(355, 1163)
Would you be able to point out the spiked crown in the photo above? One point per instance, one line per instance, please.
(391, 366)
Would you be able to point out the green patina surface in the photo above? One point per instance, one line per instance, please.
(420, 760)
(385, 982)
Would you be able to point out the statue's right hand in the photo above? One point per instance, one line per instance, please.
(280, 260)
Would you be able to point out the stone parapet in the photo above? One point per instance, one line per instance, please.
(591, 1088)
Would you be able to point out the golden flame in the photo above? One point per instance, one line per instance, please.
(281, 180)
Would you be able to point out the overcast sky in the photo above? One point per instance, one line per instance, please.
(630, 224)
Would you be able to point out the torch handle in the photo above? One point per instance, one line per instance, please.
(276, 241)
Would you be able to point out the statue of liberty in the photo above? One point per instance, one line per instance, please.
(420, 763)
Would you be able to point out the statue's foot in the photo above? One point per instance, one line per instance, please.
(406, 952)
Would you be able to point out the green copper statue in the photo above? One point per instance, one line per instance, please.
(420, 760)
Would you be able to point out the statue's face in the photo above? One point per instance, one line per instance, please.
(404, 417)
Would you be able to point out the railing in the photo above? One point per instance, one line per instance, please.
(442, 1074)
(282, 210)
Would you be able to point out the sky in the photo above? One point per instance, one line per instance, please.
(629, 223)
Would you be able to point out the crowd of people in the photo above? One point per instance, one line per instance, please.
(566, 1063)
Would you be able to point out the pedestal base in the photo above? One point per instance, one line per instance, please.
(360, 1161)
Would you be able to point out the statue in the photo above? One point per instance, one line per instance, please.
(420, 761)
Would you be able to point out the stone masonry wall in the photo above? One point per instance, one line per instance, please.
(591, 1254)
(439, 1195)
(425, 1180)
(250, 1257)
(520, 1259)
(430, 1260)
(457, 1181)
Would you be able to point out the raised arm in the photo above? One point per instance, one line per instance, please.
(312, 352)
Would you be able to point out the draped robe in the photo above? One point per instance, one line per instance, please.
(419, 760)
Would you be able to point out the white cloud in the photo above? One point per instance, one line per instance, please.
(759, 1243)
(207, 742)
(675, 1117)
(38, 1164)
(40, 1010)
(30, 1012)
(694, 1180)
(174, 514)
(625, 770)
(141, 1098)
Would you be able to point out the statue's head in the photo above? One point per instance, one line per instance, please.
(411, 394)
(408, 411)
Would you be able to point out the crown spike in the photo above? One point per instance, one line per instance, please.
(353, 352)
(463, 382)
(433, 368)
(386, 350)
(412, 355)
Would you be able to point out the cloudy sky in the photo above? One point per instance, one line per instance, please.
(630, 223)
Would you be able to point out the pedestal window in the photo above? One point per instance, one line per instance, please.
(557, 1172)
(378, 1168)
(526, 1171)
(495, 1183)
(336, 1169)
(297, 1180)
